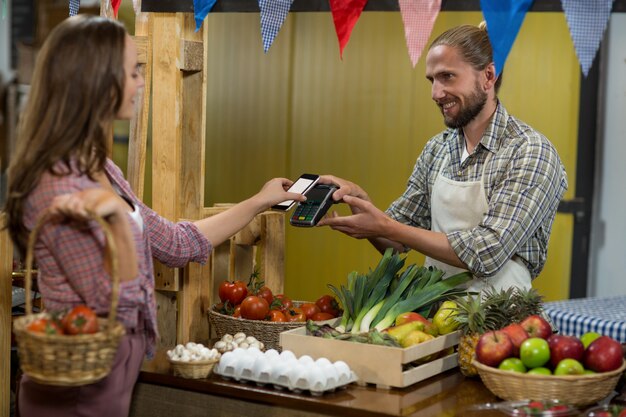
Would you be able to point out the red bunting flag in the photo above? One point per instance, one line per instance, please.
(345, 14)
(116, 5)
(419, 18)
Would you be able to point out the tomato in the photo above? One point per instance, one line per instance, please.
(265, 293)
(80, 320)
(295, 314)
(44, 326)
(322, 316)
(277, 315)
(622, 413)
(309, 309)
(285, 301)
(328, 304)
(233, 292)
(254, 308)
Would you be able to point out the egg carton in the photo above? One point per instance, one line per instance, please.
(285, 371)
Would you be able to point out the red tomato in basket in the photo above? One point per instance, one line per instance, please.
(328, 304)
(233, 292)
(266, 294)
(295, 314)
(285, 302)
(277, 315)
(46, 326)
(254, 308)
(310, 309)
(80, 320)
(322, 316)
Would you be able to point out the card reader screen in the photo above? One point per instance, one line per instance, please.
(316, 195)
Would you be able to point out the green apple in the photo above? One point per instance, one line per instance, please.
(569, 366)
(540, 370)
(512, 364)
(534, 352)
(588, 372)
(589, 337)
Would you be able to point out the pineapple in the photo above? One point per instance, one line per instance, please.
(474, 320)
(490, 310)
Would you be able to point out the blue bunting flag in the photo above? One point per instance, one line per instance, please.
(201, 9)
(504, 19)
(273, 15)
(587, 21)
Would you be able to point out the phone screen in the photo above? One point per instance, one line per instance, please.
(300, 186)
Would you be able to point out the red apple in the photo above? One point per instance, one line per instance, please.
(517, 334)
(603, 354)
(565, 347)
(537, 326)
(494, 347)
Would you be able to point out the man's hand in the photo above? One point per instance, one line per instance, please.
(366, 222)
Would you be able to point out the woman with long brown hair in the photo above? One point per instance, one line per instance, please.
(85, 78)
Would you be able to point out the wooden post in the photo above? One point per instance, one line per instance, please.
(138, 136)
(6, 268)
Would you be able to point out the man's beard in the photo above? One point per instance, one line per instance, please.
(475, 103)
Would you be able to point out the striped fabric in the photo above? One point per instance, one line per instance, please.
(604, 315)
(524, 182)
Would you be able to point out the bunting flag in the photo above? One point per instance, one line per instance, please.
(419, 18)
(345, 15)
(201, 9)
(116, 5)
(273, 15)
(4, 8)
(504, 19)
(74, 7)
(587, 21)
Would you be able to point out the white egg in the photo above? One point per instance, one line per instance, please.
(297, 375)
(316, 378)
(262, 369)
(305, 360)
(179, 349)
(323, 361)
(271, 353)
(287, 354)
(243, 367)
(344, 372)
(279, 372)
(226, 365)
(331, 374)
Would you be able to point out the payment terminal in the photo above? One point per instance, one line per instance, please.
(318, 201)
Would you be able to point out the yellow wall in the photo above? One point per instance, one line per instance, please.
(299, 108)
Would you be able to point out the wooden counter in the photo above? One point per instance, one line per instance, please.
(449, 394)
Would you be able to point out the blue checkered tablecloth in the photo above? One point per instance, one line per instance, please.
(605, 315)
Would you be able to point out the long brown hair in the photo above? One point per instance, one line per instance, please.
(473, 44)
(77, 89)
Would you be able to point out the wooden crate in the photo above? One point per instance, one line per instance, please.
(380, 365)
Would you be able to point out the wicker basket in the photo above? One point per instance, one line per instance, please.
(66, 360)
(578, 390)
(267, 332)
(193, 370)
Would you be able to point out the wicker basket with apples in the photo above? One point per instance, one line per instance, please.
(526, 360)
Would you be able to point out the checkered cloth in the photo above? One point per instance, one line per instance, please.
(74, 6)
(605, 315)
(273, 15)
(587, 21)
(418, 17)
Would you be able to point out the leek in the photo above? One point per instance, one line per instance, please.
(422, 298)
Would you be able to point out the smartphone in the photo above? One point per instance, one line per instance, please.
(301, 186)
(318, 201)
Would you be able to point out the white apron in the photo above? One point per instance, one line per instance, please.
(457, 205)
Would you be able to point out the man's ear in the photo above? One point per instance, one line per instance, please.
(490, 76)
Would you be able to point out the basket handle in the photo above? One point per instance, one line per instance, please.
(115, 279)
